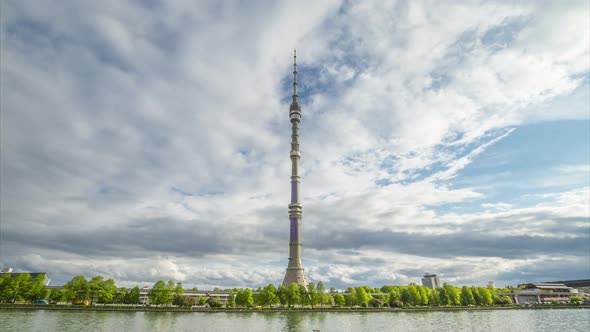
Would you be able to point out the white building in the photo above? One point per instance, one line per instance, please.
(223, 296)
(544, 293)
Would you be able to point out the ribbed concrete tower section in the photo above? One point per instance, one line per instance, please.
(295, 268)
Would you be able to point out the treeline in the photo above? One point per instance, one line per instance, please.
(98, 290)
(270, 295)
(23, 288)
(168, 293)
(364, 296)
(448, 295)
(95, 290)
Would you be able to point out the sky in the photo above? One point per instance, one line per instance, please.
(147, 140)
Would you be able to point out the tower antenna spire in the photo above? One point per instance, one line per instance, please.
(295, 97)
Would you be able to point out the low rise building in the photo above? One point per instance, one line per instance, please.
(582, 285)
(223, 296)
(534, 293)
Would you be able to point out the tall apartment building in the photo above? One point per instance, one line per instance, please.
(431, 281)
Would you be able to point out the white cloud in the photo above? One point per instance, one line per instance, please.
(123, 114)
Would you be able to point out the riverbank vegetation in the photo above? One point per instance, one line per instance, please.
(24, 289)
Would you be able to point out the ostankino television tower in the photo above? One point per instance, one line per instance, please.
(295, 268)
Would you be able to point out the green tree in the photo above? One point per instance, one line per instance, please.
(327, 299)
(282, 295)
(453, 293)
(576, 300)
(158, 294)
(410, 295)
(231, 300)
(350, 298)
(133, 296)
(245, 298)
(443, 296)
(362, 297)
(108, 289)
(36, 289)
(434, 298)
(476, 295)
(76, 289)
(311, 291)
(303, 295)
(269, 295)
(56, 296)
(395, 303)
(214, 302)
(169, 292)
(18, 287)
(321, 289)
(339, 299)
(183, 301)
(202, 300)
(394, 293)
(376, 303)
(4, 283)
(502, 300)
(120, 295)
(258, 297)
(94, 288)
(178, 291)
(424, 294)
(485, 295)
(293, 295)
(467, 296)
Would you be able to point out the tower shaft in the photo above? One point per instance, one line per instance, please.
(294, 272)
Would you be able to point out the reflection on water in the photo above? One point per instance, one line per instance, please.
(489, 320)
(292, 322)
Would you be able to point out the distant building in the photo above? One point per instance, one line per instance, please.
(582, 285)
(543, 293)
(491, 284)
(431, 281)
(223, 296)
(34, 275)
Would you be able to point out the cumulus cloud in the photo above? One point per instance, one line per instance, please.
(150, 140)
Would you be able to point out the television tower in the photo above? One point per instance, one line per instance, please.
(295, 268)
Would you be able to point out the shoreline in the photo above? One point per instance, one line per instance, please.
(278, 310)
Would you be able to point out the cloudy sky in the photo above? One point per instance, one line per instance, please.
(146, 140)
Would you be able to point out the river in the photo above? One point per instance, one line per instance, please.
(485, 321)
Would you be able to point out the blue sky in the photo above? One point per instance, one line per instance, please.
(149, 140)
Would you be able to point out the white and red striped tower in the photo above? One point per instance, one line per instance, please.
(295, 268)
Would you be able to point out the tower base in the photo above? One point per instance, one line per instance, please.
(294, 275)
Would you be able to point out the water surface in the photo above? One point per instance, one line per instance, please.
(485, 321)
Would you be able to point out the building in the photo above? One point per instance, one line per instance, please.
(491, 284)
(431, 281)
(541, 292)
(34, 275)
(582, 285)
(294, 272)
(223, 296)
